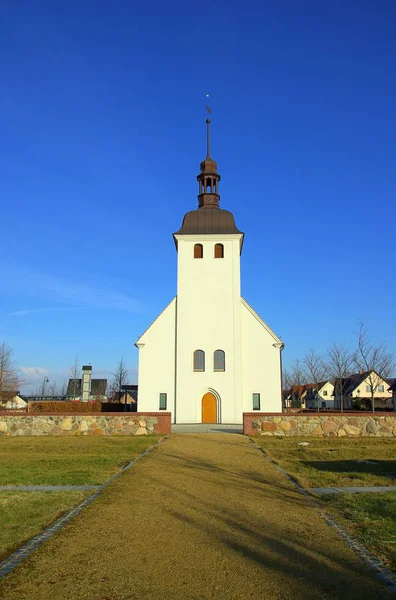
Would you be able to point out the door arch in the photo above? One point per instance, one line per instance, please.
(209, 408)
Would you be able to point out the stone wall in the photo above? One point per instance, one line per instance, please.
(88, 424)
(320, 425)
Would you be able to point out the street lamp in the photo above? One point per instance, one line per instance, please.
(45, 380)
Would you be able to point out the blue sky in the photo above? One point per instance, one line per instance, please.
(102, 134)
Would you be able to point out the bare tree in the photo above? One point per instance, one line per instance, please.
(9, 380)
(286, 386)
(340, 364)
(120, 377)
(373, 359)
(316, 371)
(75, 376)
(298, 381)
(63, 389)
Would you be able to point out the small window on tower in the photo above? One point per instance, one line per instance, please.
(199, 360)
(198, 251)
(219, 251)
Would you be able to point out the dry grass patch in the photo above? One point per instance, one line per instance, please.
(334, 462)
(24, 514)
(67, 460)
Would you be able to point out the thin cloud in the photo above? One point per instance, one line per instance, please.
(73, 294)
(29, 311)
(34, 372)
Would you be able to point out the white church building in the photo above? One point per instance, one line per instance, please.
(209, 357)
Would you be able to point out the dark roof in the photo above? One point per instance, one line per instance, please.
(208, 220)
(98, 387)
(392, 382)
(353, 381)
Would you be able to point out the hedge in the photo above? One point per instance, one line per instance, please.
(65, 407)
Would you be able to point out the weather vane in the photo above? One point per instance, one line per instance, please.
(209, 110)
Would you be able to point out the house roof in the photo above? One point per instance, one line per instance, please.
(353, 381)
(392, 382)
(98, 387)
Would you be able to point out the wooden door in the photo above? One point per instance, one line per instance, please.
(209, 408)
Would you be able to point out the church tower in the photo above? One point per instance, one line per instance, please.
(208, 338)
(209, 357)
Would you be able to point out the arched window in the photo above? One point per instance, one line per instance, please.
(199, 360)
(219, 251)
(198, 251)
(219, 360)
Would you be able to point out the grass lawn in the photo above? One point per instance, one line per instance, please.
(54, 461)
(24, 514)
(371, 518)
(333, 462)
(67, 460)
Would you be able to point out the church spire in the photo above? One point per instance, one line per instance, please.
(208, 178)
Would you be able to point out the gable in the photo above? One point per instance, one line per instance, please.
(326, 385)
(376, 379)
(246, 307)
(162, 321)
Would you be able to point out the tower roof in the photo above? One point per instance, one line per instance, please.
(208, 217)
(208, 220)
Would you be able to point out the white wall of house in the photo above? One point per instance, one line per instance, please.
(16, 402)
(157, 361)
(326, 398)
(261, 363)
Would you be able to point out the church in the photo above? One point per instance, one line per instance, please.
(209, 357)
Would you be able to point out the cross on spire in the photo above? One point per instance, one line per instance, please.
(208, 178)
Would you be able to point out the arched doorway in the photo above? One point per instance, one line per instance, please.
(209, 408)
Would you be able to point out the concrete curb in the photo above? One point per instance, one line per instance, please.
(377, 489)
(385, 575)
(47, 488)
(9, 563)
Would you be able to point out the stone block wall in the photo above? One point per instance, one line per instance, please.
(88, 424)
(320, 425)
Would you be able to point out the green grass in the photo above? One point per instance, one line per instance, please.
(371, 518)
(24, 514)
(332, 462)
(66, 460)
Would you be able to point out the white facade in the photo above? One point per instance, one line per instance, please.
(325, 397)
(209, 314)
(16, 402)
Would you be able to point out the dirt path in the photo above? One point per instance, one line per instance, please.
(202, 517)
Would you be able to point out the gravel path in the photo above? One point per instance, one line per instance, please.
(202, 517)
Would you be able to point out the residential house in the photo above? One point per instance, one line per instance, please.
(86, 388)
(322, 393)
(305, 396)
(392, 389)
(294, 397)
(16, 402)
(356, 391)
